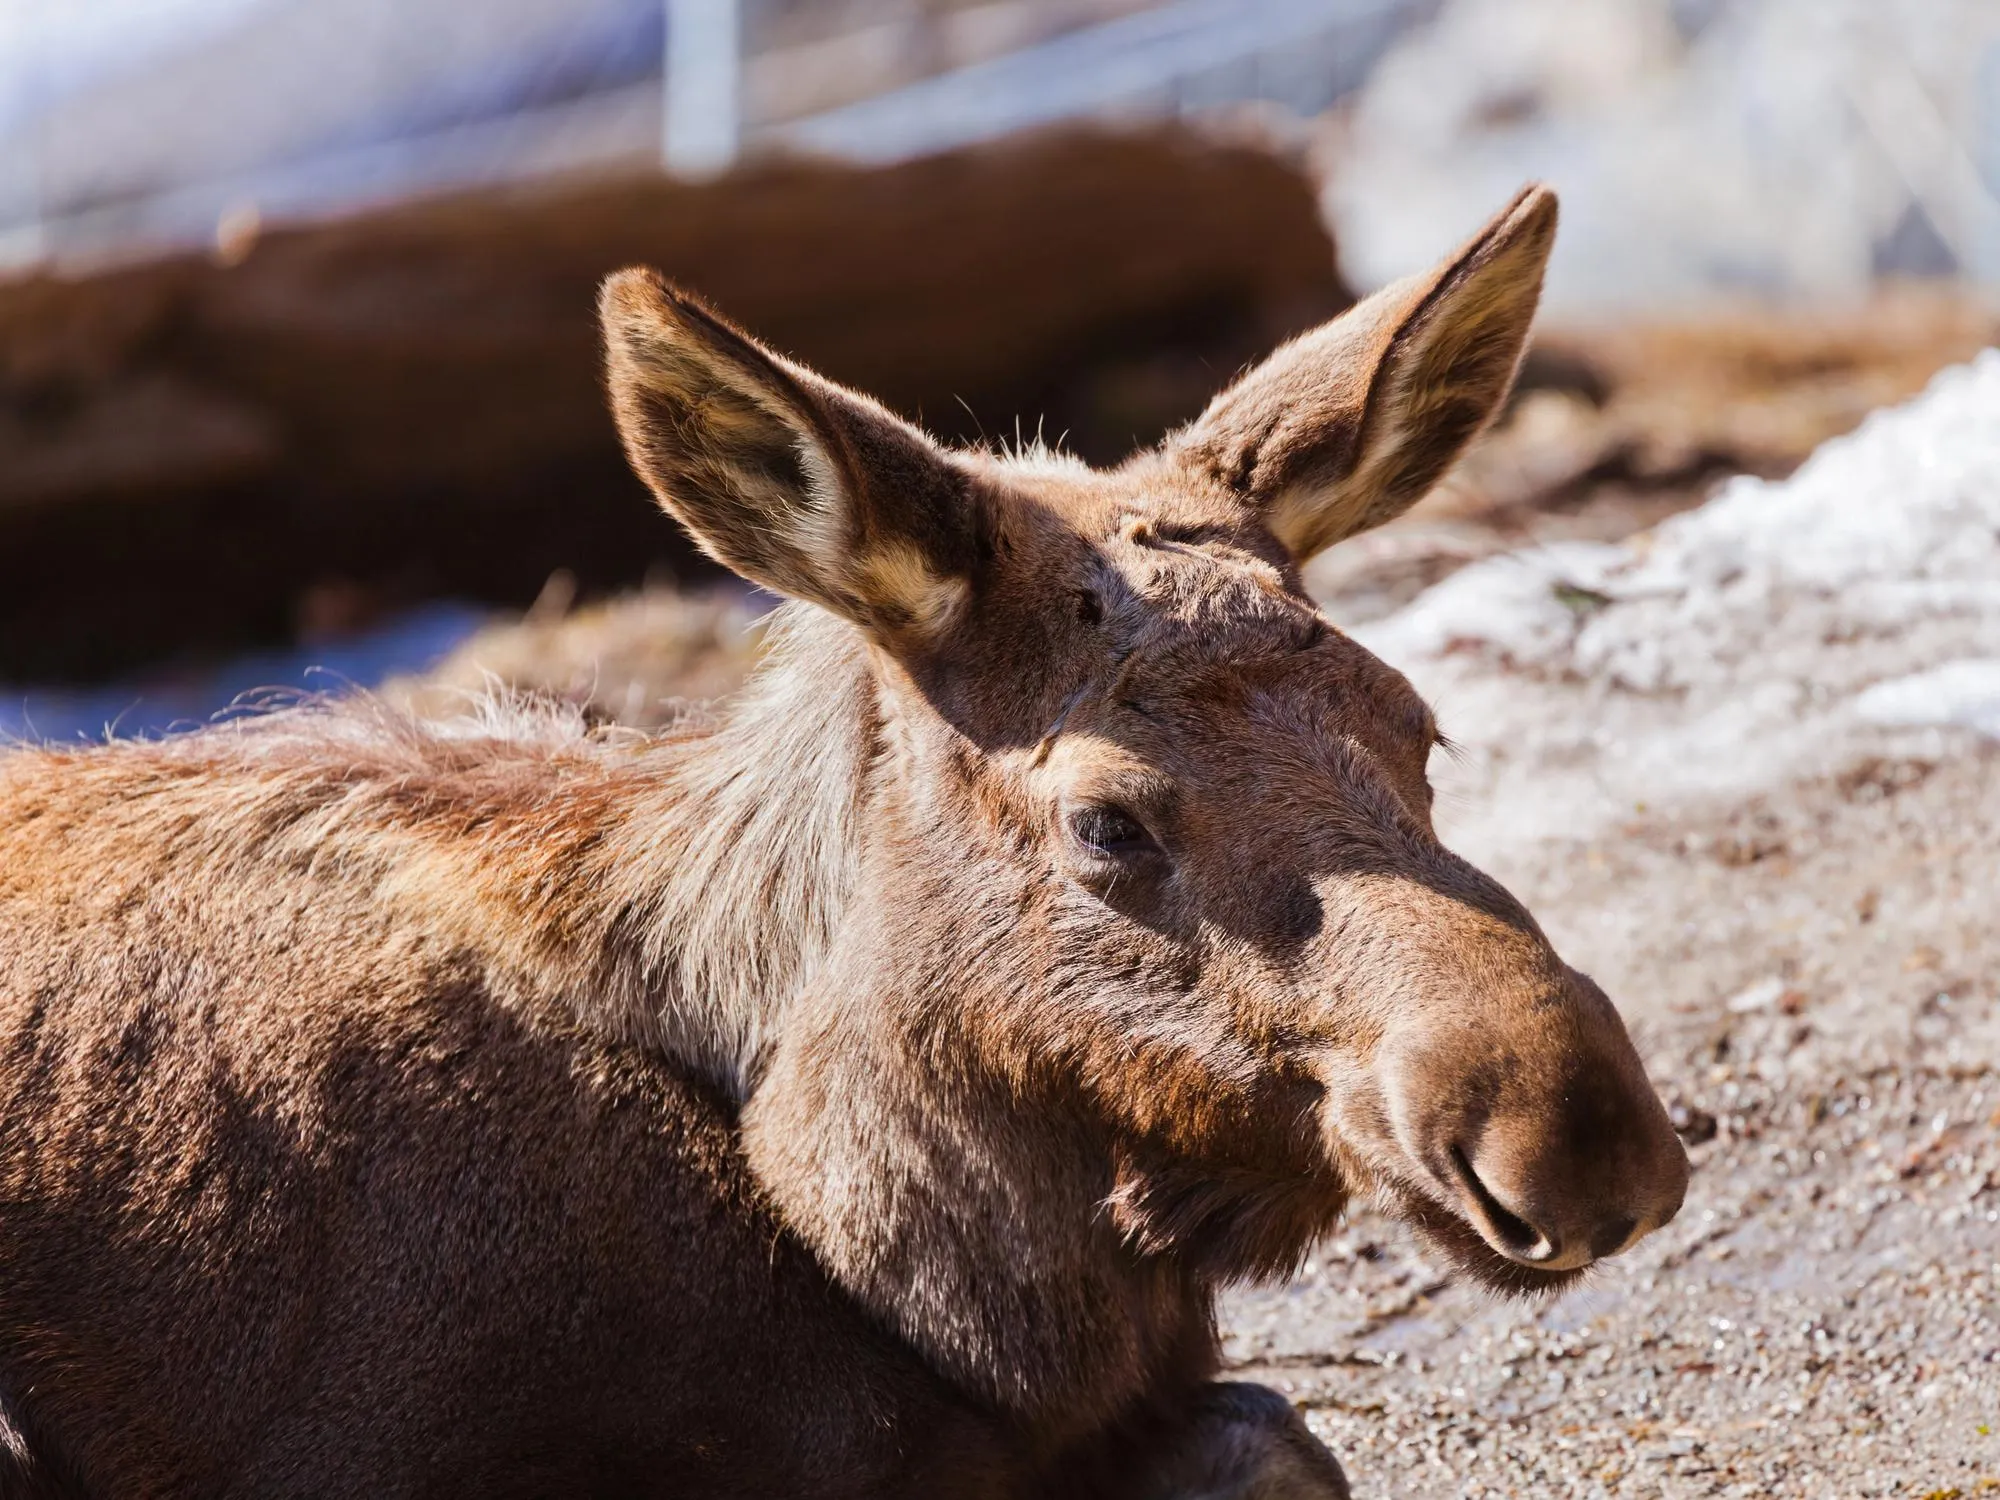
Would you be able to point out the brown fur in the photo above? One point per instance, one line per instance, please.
(805, 1105)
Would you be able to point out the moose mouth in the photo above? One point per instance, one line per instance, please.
(1451, 1232)
(1455, 1213)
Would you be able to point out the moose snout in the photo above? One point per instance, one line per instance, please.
(1537, 1200)
(1553, 1146)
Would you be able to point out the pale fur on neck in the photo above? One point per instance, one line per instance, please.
(734, 874)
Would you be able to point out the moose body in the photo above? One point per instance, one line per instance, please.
(864, 1094)
(316, 1181)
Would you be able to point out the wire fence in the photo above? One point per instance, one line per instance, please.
(1793, 146)
(305, 107)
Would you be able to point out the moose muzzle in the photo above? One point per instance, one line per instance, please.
(1541, 1129)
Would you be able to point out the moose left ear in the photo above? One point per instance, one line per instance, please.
(800, 485)
(1347, 426)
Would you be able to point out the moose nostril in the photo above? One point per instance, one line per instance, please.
(1611, 1237)
(1519, 1236)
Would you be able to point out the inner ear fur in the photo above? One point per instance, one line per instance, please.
(1349, 425)
(798, 484)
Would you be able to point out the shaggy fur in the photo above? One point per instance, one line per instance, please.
(863, 1095)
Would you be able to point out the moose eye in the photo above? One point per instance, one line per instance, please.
(1110, 832)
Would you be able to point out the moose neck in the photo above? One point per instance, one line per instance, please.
(971, 1220)
(729, 881)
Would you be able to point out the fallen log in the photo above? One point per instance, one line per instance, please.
(346, 417)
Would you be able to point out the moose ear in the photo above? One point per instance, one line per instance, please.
(782, 476)
(1347, 426)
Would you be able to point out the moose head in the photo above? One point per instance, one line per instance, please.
(1148, 922)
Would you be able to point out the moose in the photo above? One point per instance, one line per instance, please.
(864, 1092)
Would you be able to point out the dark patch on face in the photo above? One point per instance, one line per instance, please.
(1301, 914)
(1240, 1214)
(1611, 1237)
(988, 542)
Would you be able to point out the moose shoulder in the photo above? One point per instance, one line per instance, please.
(863, 1096)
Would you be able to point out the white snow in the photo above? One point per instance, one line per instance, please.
(1702, 150)
(1780, 629)
(1965, 693)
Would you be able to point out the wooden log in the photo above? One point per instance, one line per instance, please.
(406, 403)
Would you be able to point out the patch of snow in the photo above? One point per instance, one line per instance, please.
(173, 699)
(1962, 693)
(1523, 604)
(48, 51)
(1778, 630)
(1759, 996)
(1702, 150)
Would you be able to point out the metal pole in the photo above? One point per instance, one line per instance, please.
(24, 178)
(703, 110)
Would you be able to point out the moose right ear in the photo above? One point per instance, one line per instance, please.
(1347, 426)
(782, 476)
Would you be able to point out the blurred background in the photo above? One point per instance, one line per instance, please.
(295, 345)
(299, 388)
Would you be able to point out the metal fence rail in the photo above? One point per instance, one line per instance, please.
(1177, 59)
(1168, 59)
